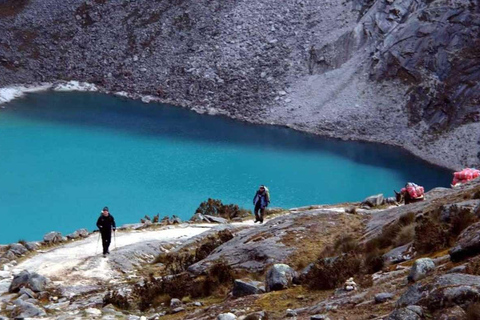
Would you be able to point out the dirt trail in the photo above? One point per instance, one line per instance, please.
(81, 262)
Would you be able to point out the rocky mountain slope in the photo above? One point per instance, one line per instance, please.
(403, 72)
(417, 261)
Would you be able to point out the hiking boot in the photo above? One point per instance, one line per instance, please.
(104, 255)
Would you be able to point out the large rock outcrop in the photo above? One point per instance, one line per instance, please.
(443, 292)
(468, 243)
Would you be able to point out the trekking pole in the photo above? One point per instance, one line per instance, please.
(114, 239)
(98, 240)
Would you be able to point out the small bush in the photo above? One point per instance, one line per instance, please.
(346, 244)
(147, 292)
(460, 219)
(431, 235)
(473, 266)
(216, 208)
(373, 261)
(22, 242)
(405, 235)
(390, 233)
(328, 273)
(116, 299)
(365, 280)
(178, 261)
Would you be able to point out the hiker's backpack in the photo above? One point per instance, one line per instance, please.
(415, 191)
(268, 193)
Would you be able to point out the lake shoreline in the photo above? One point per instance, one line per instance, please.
(10, 93)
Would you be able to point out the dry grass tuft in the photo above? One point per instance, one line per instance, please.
(473, 266)
(329, 273)
(430, 236)
(405, 235)
(116, 299)
(178, 261)
(473, 311)
(390, 233)
(153, 291)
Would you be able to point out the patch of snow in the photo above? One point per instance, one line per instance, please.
(75, 86)
(8, 94)
(122, 94)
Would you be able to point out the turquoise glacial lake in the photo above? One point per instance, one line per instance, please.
(64, 156)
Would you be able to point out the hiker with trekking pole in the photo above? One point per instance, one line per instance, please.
(105, 224)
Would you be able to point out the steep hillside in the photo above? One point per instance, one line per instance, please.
(402, 72)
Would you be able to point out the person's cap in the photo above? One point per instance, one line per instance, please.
(262, 186)
(105, 209)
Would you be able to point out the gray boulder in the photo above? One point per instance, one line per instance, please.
(197, 217)
(383, 297)
(214, 219)
(411, 296)
(468, 243)
(18, 249)
(421, 268)
(398, 254)
(458, 269)
(247, 287)
(53, 237)
(454, 313)
(80, 233)
(407, 313)
(449, 209)
(83, 233)
(178, 310)
(175, 220)
(25, 309)
(227, 316)
(27, 292)
(175, 303)
(373, 201)
(444, 291)
(32, 246)
(319, 317)
(9, 255)
(257, 315)
(34, 281)
(279, 277)
(73, 235)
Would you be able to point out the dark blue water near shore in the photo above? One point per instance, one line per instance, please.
(66, 155)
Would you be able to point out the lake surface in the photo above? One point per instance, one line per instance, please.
(63, 156)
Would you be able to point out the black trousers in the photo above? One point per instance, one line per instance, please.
(259, 209)
(106, 239)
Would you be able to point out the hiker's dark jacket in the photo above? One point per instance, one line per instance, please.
(261, 199)
(105, 224)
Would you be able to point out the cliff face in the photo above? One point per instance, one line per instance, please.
(402, 72)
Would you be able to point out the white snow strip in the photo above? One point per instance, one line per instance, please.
(75, 86)
(8, 94)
